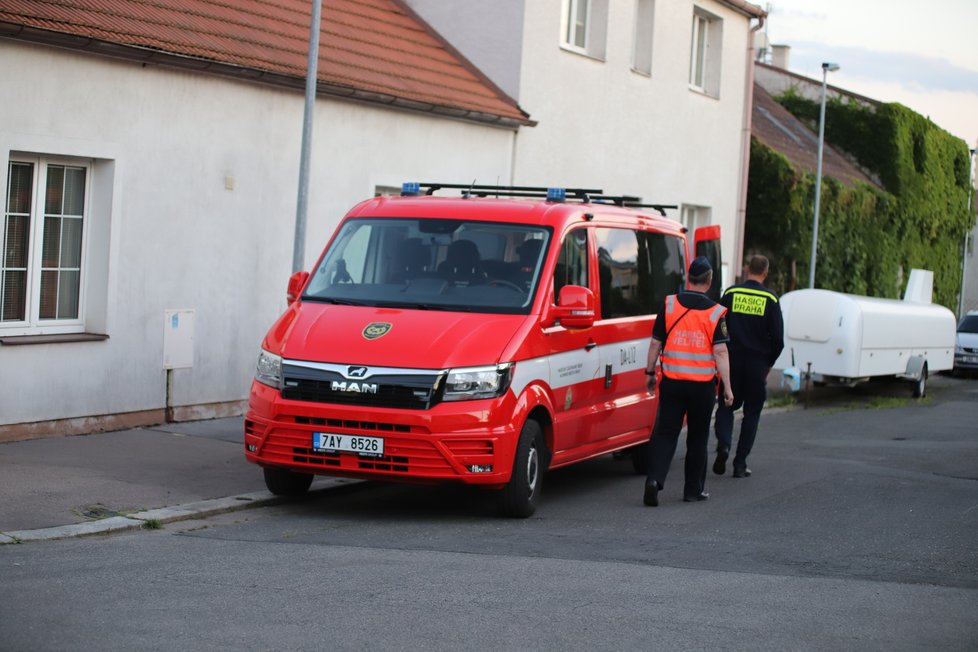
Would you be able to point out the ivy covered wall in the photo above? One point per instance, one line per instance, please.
(868, 240)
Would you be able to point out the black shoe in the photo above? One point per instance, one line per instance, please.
(742, 472)
(695, 498)
(720, 465)
(651, 497)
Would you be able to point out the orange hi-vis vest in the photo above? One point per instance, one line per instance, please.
(687, 353)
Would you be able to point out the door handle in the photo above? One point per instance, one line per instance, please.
(590, 345)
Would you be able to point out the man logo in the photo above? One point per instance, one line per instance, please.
(376, 329)
(356, 372)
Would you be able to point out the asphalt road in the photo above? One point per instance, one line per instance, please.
(856, 532)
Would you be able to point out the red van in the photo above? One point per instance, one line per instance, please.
(481, 338)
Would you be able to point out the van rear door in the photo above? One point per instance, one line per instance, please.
(707, 243)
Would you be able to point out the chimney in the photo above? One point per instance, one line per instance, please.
(780, 55)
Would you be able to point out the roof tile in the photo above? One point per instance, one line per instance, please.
(376, 46)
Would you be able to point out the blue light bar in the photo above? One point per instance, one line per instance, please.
(556, 194)
(410, 189)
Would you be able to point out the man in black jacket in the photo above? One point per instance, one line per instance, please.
(756, 330)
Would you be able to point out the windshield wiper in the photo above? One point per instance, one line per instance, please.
(339, 302)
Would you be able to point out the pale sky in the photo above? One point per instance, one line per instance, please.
(920, 53)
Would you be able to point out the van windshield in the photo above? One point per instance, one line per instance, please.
(433, 264)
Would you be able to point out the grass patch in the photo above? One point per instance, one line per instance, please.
(152, 524)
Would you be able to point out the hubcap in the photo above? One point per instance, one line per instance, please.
(531, 469)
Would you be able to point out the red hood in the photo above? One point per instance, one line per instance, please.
(417, 338)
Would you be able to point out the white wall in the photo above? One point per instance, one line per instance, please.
(489, 34)
(603, 125)
(178, 237)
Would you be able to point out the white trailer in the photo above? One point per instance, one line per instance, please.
(844, 339)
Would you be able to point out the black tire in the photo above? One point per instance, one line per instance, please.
(920, 386)
(283, 482)
(521, 494)
(640, 458)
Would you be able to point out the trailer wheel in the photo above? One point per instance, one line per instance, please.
(920, 385)
(283, 482)
(521, 494)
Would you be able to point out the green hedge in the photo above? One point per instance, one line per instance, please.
(869, 240)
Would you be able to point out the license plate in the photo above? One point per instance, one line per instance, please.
(331, 443)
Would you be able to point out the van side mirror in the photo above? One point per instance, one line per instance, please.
(296, 282)
(575, 307)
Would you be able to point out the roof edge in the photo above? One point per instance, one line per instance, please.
(745, 7)
(65, 41)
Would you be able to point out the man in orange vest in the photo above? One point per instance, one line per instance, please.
(690, 334)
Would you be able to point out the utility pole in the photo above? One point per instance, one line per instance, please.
(302, 203)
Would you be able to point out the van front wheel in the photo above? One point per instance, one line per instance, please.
(283, 482)
(521, 494)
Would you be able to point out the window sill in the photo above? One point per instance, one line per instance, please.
(703, 92)
(581, 53)
(17, 340)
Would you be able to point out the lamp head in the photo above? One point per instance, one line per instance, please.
(830, 67)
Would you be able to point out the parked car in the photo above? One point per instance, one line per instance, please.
(480, 339)
(966, 345)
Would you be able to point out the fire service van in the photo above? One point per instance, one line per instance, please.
(481, 338)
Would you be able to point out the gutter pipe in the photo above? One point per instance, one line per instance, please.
(741, 220)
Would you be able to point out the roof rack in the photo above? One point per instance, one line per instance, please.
(628, 201)
(477, 190)
(585, 195)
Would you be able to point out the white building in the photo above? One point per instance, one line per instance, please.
(640, 97)
(181, 164)
(187, 150)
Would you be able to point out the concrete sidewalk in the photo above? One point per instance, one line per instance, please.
(89, 484)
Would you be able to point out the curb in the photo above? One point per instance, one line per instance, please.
(163, 515)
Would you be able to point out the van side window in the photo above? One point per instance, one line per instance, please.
(668, 262)
(637, 269)
(572, 263)
(624, 273)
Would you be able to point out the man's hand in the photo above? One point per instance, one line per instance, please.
(650, 382)
(728, 397)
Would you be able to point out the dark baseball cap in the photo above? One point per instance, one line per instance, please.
(700, 266)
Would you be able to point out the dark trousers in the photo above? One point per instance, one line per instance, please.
(748, 379)
(679, 399)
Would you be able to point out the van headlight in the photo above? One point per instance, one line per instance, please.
(472, 383)
(269, 370)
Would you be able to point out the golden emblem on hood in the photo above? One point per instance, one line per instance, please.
(376, 329)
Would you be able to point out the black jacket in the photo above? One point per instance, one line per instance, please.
(754, 321)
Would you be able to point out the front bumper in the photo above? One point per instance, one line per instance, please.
(452, 442)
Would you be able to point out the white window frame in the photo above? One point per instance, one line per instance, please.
(699, 48)
(693, 216)
(705, 51)
(32, 324)
(595, 27)
(568, 26)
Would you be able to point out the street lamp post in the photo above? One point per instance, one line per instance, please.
(826, 69)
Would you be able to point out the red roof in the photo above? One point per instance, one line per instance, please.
(371, 49)
(776, 127)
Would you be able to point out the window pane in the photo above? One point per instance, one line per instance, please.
(20, 183)
(71, 242)
(572, 264)
(48, 308)
(55, 189)
(618, 266)
(15, 254)
(51, 244)
(74, 202)
(13, 290)
(580, 24)
(68, 295)
(667, 264)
